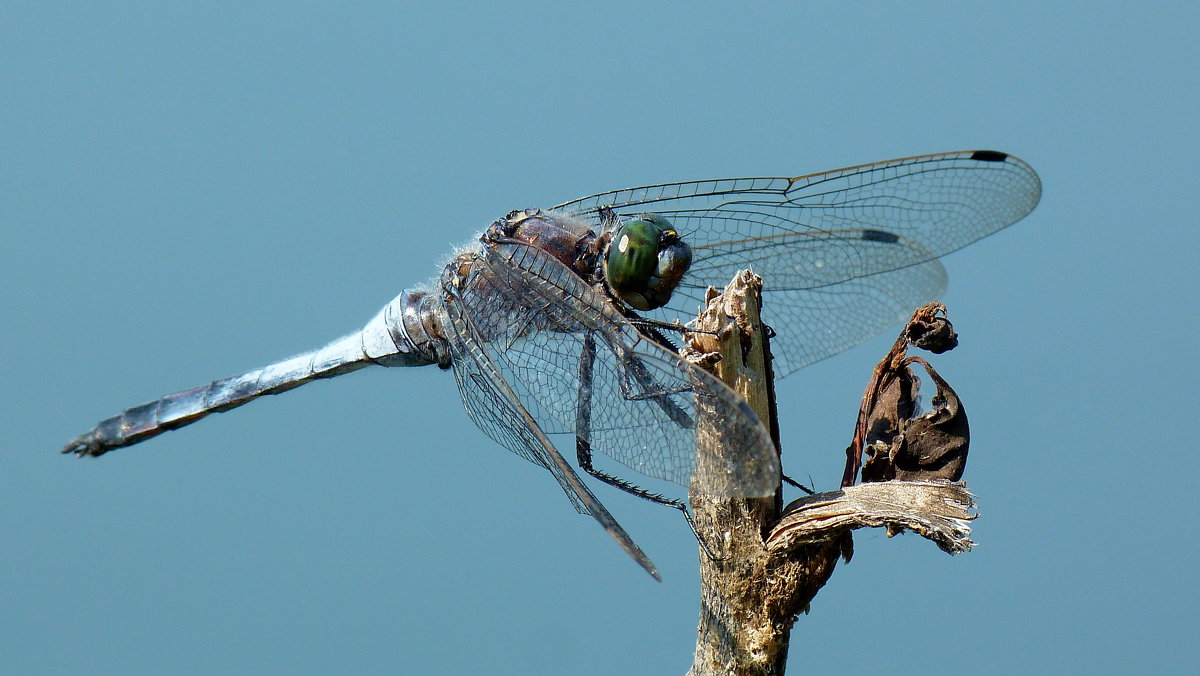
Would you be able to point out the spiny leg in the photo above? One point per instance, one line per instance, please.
(797, 484)
(583, 447)
(635, 371)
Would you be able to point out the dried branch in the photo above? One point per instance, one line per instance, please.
(769, 563)
(936, 510)
(749, 596)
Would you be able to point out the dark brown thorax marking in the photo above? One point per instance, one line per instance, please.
(570, 242)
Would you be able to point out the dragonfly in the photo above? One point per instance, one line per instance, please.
(555, 321)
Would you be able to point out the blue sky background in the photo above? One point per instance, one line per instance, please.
(189, 191)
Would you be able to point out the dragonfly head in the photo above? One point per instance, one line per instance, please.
(645, 261)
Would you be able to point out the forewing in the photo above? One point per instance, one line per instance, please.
(857, 241)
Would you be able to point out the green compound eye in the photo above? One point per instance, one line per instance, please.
(645, 261)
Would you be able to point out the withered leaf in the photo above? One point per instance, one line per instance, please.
(932, 445)
(898, 442)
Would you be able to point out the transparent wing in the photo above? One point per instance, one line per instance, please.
(496, 409)
(844, 253)
(580, 369)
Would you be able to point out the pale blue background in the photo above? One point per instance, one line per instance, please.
(191, 191)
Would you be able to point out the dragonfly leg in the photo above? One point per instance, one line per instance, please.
(797, 484)
(583, 447)
(583, 453)
(649, 388)
(653, 328)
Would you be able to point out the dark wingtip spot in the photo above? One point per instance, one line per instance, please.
(989, 156)
(880, 236)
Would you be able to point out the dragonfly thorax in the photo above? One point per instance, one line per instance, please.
(645, 261)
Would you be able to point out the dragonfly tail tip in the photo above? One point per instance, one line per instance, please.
(84, 445)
